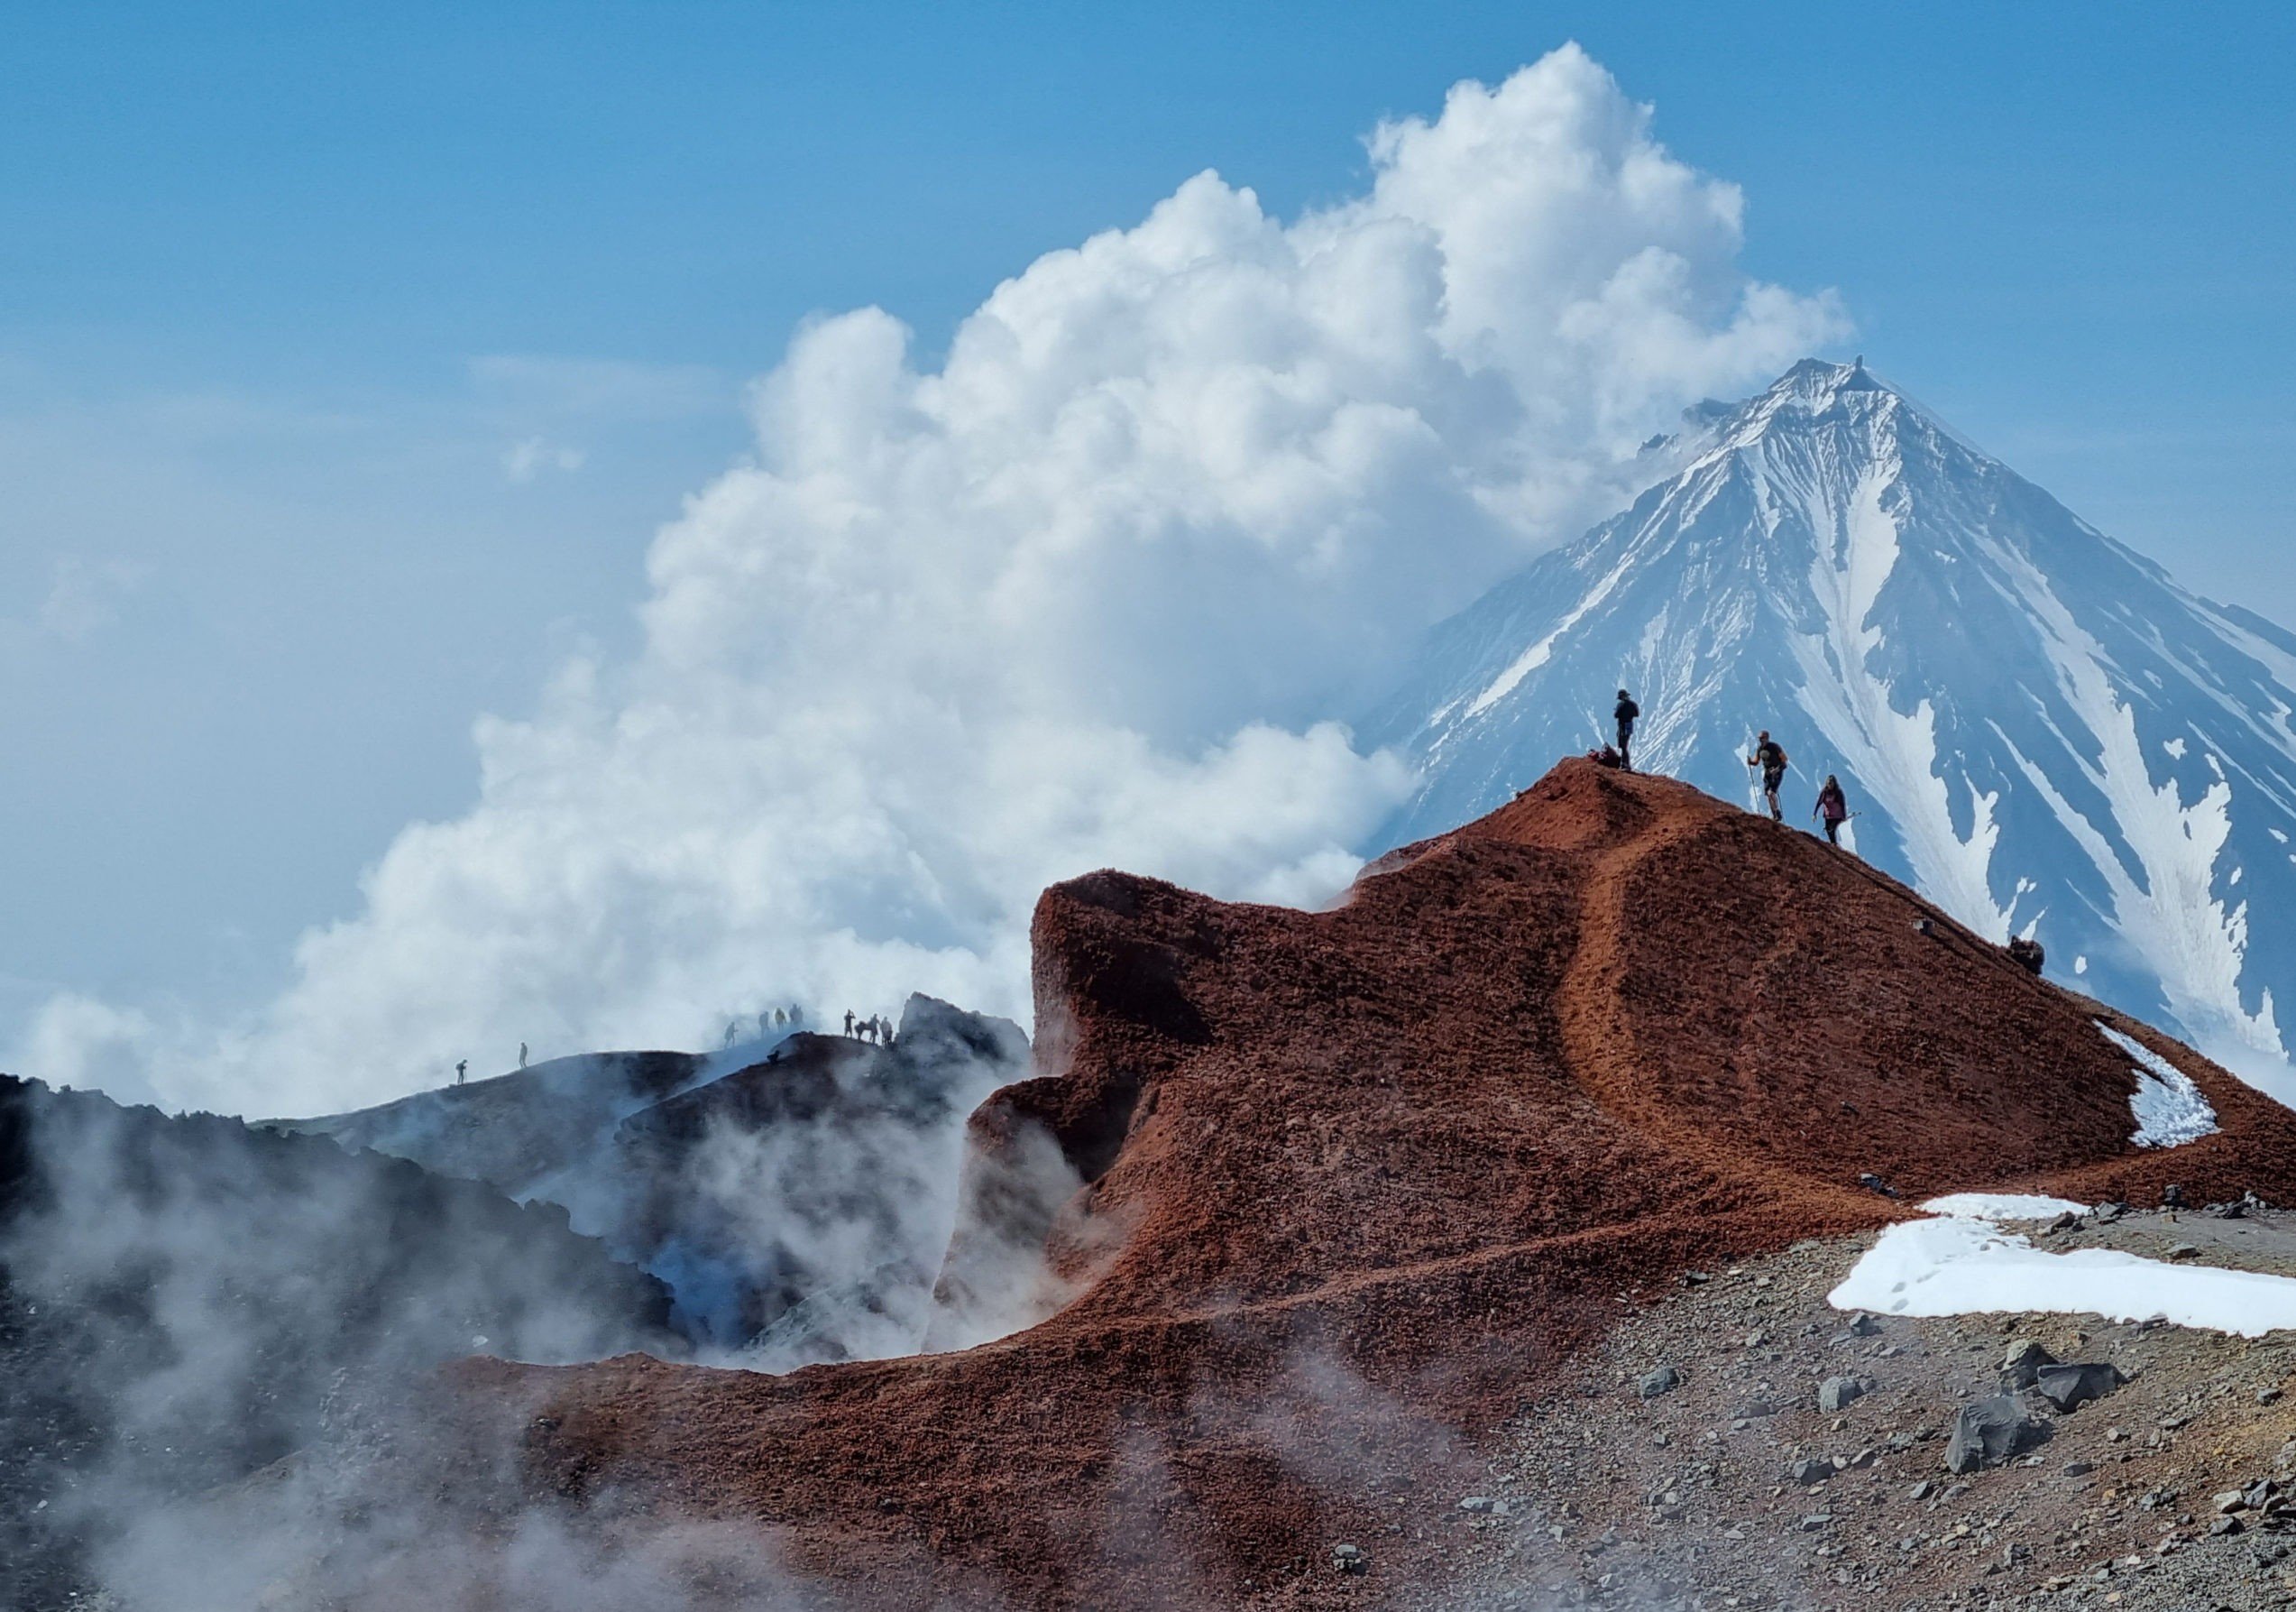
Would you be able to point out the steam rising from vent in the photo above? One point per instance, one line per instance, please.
(796, 1194)
(1077, 597)
(184, 1302)
(211, 1331)
(799, 1209)
(996, 1279)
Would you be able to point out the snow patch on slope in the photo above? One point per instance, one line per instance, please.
(2169, 1108)
(1961, 1265)
(1894, 753)
(2165, 908)
(1535, 656)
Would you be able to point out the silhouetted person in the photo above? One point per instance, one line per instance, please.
(1626, 712)
(522, 1054)
(1832, 808)
(780, 1017)
(462, 1072)
(849, 1021)
(1770, 757)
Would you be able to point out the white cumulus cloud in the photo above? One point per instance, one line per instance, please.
(1078, 596)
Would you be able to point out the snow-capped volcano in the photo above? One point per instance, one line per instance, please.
(2038, 726)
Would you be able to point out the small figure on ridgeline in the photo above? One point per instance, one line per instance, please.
(462, 1072)
(1769, 755)
(732, 1032)
(522, 1054)
(849, 1021)
(1832, 808)
(1626, 711)
(780, 1018)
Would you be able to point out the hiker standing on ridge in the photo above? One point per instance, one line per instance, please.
(849, 1021)
(462, 1072)
(1834, 807)
(1770, 757)
(1626, 712)
(522, 1054)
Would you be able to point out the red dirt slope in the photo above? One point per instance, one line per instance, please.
(1356, 1178)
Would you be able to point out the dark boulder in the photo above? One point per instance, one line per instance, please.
(1989, 1432)
(2069, 1387)
(1664, 1380)
(1837, 1393)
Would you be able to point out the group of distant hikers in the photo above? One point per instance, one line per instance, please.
(872, 1029)
(1832, 807)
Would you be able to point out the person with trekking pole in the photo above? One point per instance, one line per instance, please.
(1770, 757)
(1626, 711)
(1832, 808)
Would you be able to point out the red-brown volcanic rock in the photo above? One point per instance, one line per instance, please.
(1354, 1178)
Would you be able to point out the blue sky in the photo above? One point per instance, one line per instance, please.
(350, 357)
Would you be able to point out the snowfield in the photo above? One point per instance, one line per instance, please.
(2003, 1206)
(1961, 1263)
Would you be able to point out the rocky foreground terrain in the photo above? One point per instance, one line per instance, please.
(1736, 1486)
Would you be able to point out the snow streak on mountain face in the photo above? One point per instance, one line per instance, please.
(2037, 727)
